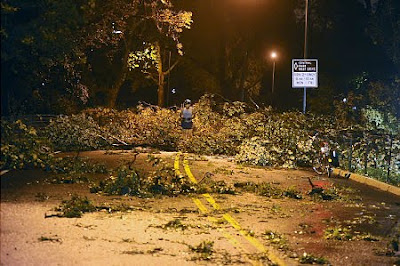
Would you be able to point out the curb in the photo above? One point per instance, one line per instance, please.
(368, 181)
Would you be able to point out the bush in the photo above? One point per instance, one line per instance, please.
(255, 152)
(258, 138)
(76, 206)
(261, 137)
(21, 147)
(158, 128)
(125, 183)
(312, 259)
(220, 129)
(73, 170)
(205, 250)
(162, 181)
(148, 126)
(280, 140)
(75, 133)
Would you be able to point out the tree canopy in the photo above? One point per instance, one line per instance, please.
(62, 56)
(58, 53)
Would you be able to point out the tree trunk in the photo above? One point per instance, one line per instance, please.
(161, 84)
(112, 98)
(161, 76)
(243, 77)
(114, 91)
(160, 91)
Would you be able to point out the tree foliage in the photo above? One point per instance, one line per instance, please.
(51, 50)
(150, 60)
(384, 28)
(20, 147)
(59, 56)
(41, 54)
(256, 137)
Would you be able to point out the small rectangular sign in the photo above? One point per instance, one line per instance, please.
(304, 73)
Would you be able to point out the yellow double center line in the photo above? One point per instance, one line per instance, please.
(203, 209)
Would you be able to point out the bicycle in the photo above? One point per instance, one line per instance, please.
(323, 161)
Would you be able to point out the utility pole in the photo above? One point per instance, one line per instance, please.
(169, 66)
(273, 77)
(305, 53)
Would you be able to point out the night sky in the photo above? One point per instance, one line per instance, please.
(340, 43)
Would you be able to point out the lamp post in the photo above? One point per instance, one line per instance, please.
(305, 53)
(273, 56)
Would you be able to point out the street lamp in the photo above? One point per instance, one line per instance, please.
(274, 55)
(305, 52)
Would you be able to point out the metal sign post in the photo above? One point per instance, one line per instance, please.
(305, 53)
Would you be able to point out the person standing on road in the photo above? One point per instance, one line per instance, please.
(187, 117)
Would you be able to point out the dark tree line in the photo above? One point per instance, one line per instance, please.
(61, 56)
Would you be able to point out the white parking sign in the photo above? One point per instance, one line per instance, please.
(304, 73)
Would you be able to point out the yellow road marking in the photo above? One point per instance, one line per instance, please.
(228, 236)
(200, 205)
(244, 233)
(203, 209)
(258, 245)
(211, 200)
(187, 170)
(231, 239)
(232, 221)
(176, 164)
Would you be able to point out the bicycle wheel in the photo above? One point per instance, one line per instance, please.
(44, 149)
(329, 170)
(318, 166)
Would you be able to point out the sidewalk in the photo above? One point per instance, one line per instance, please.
(368, 181)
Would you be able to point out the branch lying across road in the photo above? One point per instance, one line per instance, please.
(115, 138)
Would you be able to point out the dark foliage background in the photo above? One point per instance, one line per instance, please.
(63, 56)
